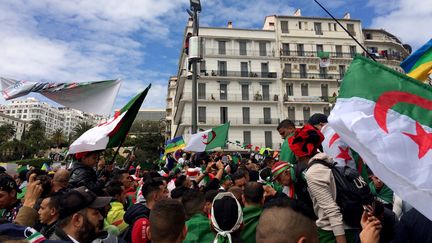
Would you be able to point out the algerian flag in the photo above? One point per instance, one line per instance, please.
(111, 133)
(386, 117)
(209, 139)
(336, 148)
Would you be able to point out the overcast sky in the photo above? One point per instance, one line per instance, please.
(139, 41)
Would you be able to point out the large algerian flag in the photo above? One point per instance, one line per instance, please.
(111, 133)
(386, 117)
(209, 139)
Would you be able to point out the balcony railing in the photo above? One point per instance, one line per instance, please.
(311, 75)
(239, 52)
(233, 121)
(224, 73)
(300, 53)
(232, 97)
(308, 99)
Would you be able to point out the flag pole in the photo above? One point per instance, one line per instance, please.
(337, 21)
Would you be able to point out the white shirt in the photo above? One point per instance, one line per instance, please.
(73, 240)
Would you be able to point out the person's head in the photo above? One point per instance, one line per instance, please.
(178, 192)
(183, 180)
(48, 211)
(124, 177)
(239, 178)
(238, 193)
(282, 173)
(285, 128)
(292, 226)
(79, 214)
(60, 179)
(167, 222)
(193, 202)
(269, 162)
(101, 163)
(226, 215)
(253, 194)
(375, 180)
(154, 189)
(8, 191)
(226, 182)
(209, 196)
(45, 180)
(306, 142)
(22, 176)
(318, 120)
(116, 190)
(251, 166)
(88, 158)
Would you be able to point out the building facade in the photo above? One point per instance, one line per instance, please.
(54, 118)
(290, 69)
(17, 123)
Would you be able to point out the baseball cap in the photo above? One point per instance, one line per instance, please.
(7, 183)
(78, 199)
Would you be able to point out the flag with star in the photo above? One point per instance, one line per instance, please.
(386, 117)
(209, 139)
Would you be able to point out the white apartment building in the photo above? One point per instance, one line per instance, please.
(17, 123)
(256, 78)
(172, 86)
(54, 118)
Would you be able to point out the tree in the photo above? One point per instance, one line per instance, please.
(7, 131)
(57, 138)
(148, 138)
(80, 129)
(35, 138)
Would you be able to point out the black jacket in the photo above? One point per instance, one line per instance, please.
(134, 213)
(413, 227)
(82, 175)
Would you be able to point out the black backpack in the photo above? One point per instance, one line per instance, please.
(352, 192)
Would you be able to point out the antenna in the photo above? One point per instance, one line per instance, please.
(337, 21)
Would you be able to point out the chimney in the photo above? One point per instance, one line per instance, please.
(229, 24)
(297, 12)
(190, 22)
(347, 16)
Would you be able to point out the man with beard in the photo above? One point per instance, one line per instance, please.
(79, 217)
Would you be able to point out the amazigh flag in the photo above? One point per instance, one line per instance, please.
(209, 139)
(95, 96)
(386, 117)
(111, 133)
(419, 64)
(174, 144)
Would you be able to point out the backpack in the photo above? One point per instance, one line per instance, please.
(352, 192)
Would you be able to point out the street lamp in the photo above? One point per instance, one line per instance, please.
(195, 7)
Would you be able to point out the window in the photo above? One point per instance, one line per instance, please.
(267, 115)
(223, 88)
(263, 49)
(285, 49)
(324, 90)
(306, 113)
(242, 46)
(319, 48)
(304, 89)
(326, 110)
(290, 89)
(246, 115)
(353, 50)
(284, 27)
(247, 137)
(318, 29)
(202, 65)
(268, 139)
(323, 72)
(25, 111)
(332, 27)
(300, 50)
(264, 69)
(338, 51)
(291, 113)
(201, 90)
(201, 114)
(287, 70)
(222, 68)
(222, 47)
(300, 25)
(342, 71)
(223, 115)
(245, 91)
(350, 28)
(368, 36)
(303, 73)
(244, 69)
(266, 91)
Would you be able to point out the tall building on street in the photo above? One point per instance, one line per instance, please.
(17, 123)
(291, 68)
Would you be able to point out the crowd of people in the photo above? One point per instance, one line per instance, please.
(208, 197)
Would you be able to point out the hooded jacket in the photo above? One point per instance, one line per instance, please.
(137, 217)
(82, 175)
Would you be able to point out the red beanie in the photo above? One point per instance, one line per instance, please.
(306, 141)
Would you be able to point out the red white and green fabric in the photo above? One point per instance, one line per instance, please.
(336, 148)
(386, 117)
(111, 133)
(209, 139)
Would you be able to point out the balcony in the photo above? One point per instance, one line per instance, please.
(236, 121)
(300, 53)
(311, 75)
(239, 52)
(232, 97)
(224, 73)
(307, 99)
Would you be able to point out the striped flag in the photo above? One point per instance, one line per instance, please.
(419, 64)
(174, 144)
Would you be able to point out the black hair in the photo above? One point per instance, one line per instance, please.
(114, 188)
(150, 186)
(167, 220)
(286, 124)
(193, 202)
(295, 204)
(210, 195)
(253, 192)
(180, 180)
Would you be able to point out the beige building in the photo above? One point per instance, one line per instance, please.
(256, 78)
(17, 123)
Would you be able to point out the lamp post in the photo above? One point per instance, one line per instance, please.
(195, 7)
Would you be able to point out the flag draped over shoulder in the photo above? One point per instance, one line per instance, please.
(209, 139)
(95, 97)
(111, 133)
(419, 64)
(174, 144)
(386, 118)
